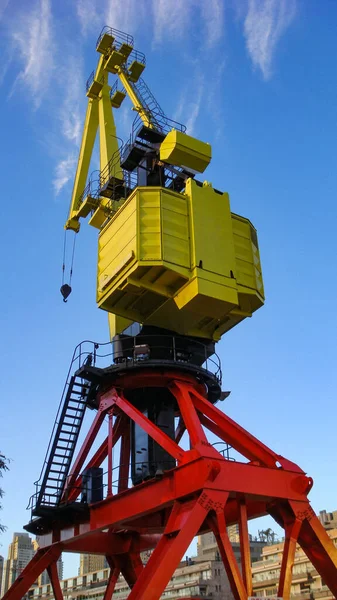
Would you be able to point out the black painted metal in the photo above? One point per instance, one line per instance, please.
(63, 446)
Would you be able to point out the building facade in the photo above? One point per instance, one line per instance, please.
(200, 580)
(328, 519)
(1, 569)
(92, 562)
(208, 547)
(20, 552)
(307, 584)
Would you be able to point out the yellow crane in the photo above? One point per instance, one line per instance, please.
(170, 252)
(176, 270)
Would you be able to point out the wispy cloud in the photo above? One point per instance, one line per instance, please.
(32, 40)
(170, 18)
(70, 117)
(165, 19)
(126, 15)
(88, 15)
(213, 16)
(71, 111)
(265, 22)
(190, 100)
(3, 6)
(64, 172)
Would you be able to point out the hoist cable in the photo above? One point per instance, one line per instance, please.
(64, 256)
(72, 259)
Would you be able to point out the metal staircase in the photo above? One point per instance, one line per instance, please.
(155, 111)
(66, 431)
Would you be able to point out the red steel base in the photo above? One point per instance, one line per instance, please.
(204, 492)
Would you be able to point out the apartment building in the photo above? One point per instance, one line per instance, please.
(204, 580)
(20, 552)
(307, 584)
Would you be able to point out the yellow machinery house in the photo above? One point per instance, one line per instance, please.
(171, 254)
(181, 261)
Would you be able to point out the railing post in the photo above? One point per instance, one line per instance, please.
(174, 348)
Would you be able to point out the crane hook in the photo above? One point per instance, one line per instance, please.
(65, 291)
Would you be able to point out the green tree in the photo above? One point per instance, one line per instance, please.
(3, 467)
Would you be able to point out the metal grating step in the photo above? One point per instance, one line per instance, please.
(55, 470)
(64, 442)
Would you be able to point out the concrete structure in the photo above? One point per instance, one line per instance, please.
(328, 520)
(307, 584)
(204, 580)
(1, 569)
(20, 552)
(208, 548)
(92, 562)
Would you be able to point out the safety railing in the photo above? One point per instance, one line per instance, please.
(136, 55)
(91, 189)
(112, 168)
(120, 37)
(224, 449)
(116, 88)
(123, 182)
(90, 81)
(160, 122)
(102, 80)
(48, 500)
(160, 347)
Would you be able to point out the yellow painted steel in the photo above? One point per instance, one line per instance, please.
(108, 144)
(87, 144)
(179, 261)
(185, 151)
(99, 115)
(134, 97)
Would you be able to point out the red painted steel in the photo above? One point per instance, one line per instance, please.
(245, 547)
(54, 580)
(204, 492)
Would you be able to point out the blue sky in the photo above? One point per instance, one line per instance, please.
(256, 79)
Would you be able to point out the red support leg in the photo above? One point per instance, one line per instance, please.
(189, 414)
(41, 561)
(113, 578)
(99, 456)
(110, 452)
(245, 547)
(218, 525)
(124, 462)
(183, 524)
(131, 567)
(292, 531)
(245, 443)
(319, 548)
(54, 580)
(152, 430)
